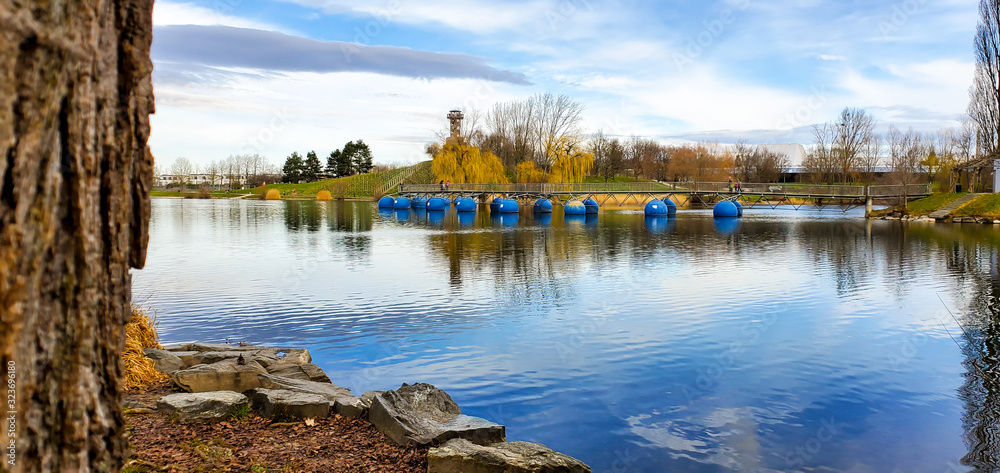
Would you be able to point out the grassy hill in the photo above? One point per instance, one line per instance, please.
(369, 185)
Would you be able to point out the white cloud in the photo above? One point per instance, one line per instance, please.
(306, 111)
(169, 13)
(831, 57)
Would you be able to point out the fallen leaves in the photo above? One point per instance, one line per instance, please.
(331, 444)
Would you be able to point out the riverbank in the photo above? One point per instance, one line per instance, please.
(240, 407)
(160, 442)
(948, 208)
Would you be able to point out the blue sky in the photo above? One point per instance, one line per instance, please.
(272, 77)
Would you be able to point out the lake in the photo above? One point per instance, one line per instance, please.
(787, 341)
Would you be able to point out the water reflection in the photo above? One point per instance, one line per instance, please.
(659, 224)
(713, 349)
(727, 225)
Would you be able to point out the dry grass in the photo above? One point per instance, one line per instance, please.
(140, 334)
(273, 194)
(324, 196)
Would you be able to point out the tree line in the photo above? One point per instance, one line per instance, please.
(849, 150)
(354, 158)
(540, 139)
(236, 171)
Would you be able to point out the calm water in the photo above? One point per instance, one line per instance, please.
(792, 341)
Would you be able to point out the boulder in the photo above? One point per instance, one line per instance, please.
(424, 415)
(209, 357)
(208, 406)
(306, 371)
(186, 356)
(368, 397)
(341, 400)
(164, 361)
(277, 403)
(462, 456)
(226, 375)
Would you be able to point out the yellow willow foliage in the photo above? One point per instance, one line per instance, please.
(140, 334)
(528, 172)
(461, 163)
(570, 163)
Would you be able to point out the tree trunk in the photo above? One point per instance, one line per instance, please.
(75, 174)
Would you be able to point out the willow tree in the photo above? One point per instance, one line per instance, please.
(75, 175)
(570, 161)
(459, 162)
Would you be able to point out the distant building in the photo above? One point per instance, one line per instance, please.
(198, 179)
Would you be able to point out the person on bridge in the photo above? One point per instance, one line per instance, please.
(442, 185)
(447, 184)
(730, 184)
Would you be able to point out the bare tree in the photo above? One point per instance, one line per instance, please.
(182, 170)
(821, 163)
(854, 129)
(905, 152)
(526, 130)
(984, 96)
(213, 173)
(870, 159)
(609, 155)
(74, 215)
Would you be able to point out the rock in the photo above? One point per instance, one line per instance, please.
(164, 361)
(307, 372)
(368, 396)
(215, 405)
(296, 356)
(186, 356)
(424, 415)
(341, 400)
(209, 357)
(226, 375)
(279, 403)
(462, 456)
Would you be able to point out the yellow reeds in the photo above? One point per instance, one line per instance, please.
(273, 194)
(324, 196)
(140, 334)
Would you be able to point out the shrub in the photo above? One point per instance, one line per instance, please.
(324, 195)
(273, 194)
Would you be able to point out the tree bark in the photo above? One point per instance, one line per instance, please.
(75, 174)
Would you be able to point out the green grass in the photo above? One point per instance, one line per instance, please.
(363, 185)
(928, 205)
(984, 206)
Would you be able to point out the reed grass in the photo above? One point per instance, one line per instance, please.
(324, 196)
(273, 194)
(140, 333)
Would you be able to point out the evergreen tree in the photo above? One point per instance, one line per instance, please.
(312, 170)
(292, 170)
(331, 164)
(360, 155)
(345, 165)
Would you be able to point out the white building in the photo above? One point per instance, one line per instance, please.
(197, 179)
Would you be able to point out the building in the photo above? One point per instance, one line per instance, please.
(195, 179)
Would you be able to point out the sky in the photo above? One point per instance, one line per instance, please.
(273, 77)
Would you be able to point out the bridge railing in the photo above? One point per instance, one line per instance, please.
(900, 190)
(776, 189)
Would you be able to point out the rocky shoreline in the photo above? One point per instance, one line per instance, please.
(926, 219)
(222, 381)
